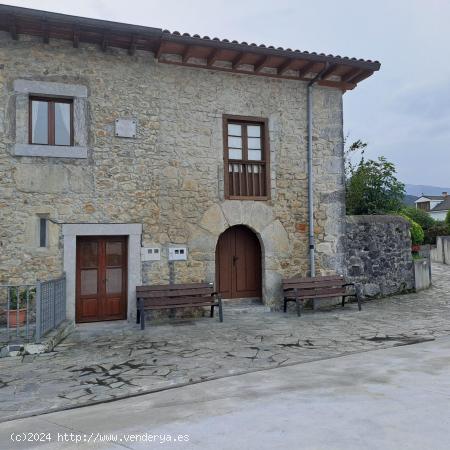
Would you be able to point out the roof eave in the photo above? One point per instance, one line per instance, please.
(345, 73)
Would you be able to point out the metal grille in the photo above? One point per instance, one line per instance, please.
(50, 305)
(16, 313)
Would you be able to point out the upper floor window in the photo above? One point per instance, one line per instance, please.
(51, 121)
(246, 158)
(424, 205)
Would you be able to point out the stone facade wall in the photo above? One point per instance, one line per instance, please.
(378, 255)
(170, 177)
(441, 252)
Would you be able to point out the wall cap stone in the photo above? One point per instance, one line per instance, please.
(50, 151)
(375, 218)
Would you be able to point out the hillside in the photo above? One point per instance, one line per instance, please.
(418, 189)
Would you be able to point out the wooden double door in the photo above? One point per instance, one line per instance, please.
(238, 263)
(101, 278)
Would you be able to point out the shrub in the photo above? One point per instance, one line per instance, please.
(447, 218)
(417, 234)
(20, 301)
(437, 229)
(420, 216)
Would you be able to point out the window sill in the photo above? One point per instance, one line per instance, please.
(50, 151)
(233, 197)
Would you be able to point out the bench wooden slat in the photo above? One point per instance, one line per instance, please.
(309, 285)
(317, 288)
(178, 293)
(319, 293)
(176, 296)
(313, 279)
(184, 305)
(149, 302)
(173, 287)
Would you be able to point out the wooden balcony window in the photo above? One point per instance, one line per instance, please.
(246, 158)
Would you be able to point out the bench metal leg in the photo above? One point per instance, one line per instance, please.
(285, 305)
(138, 314)
(142, 313)
(220, 309)
(359, 300)
(212, 311)
(343, 300)
(298, 303)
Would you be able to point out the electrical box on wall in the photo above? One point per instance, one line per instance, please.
(178, 253)
(150, 254)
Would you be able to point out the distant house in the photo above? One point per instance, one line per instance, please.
(436, 205)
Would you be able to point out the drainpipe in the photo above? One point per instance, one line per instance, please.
(312, 264)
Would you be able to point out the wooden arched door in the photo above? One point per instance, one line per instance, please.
(238, 263)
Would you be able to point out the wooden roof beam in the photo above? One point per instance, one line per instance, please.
(213, 57)
(285, 67)
(337, 84)
(76, 36)
(186, 54)
(260, 64)
(45, 32)
(104, 43)
(351, 74)
(330, 71)
(160, 50)
(305, 69)
(362, 76)
(237, 60)
(132, 47)
(13, 28)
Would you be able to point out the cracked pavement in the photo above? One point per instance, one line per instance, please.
(111, 360)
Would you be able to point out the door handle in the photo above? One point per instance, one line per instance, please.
(235, 258)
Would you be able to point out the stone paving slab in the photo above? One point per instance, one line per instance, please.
(106, 361)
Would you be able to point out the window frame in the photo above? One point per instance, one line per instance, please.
(424, 206)
(50, 119)
(265, 152)
(43, 232)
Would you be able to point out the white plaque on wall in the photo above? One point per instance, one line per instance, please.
(126, 128)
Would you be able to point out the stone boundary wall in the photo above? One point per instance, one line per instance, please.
(378, 255)
(422, 274)
(441, 253)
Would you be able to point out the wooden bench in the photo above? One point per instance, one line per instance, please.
(156, 297)
(298, 289)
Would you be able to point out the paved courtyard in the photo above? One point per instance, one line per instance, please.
(391, 399)
(113, 360)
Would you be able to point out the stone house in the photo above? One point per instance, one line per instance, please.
(437, 206)
(134, 155)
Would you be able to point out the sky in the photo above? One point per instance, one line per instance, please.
(402, 111)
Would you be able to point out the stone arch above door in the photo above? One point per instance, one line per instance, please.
(257, 216)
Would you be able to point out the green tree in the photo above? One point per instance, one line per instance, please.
(420, 216)
(371, 185)
(447, 218)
